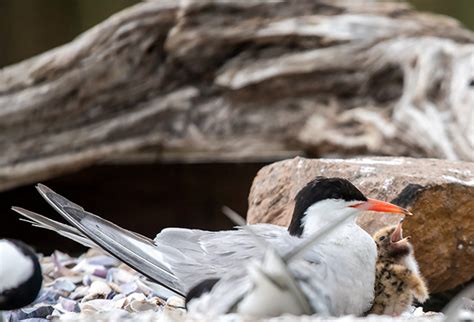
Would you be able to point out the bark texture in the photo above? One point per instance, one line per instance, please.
(439, 193)
(241, 80)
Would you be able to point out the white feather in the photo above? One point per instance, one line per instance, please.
(15, 268)
(336, 274)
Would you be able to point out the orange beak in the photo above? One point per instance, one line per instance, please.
(381, 206)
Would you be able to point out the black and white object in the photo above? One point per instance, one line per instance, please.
(20, 275)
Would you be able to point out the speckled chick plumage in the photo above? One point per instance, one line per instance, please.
(397, 280)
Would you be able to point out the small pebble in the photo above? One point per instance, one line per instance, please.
(34, 312)
(64, 284)
(97, 290)
(175, 301)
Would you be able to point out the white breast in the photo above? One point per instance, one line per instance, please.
(347, 270)
(15, 268)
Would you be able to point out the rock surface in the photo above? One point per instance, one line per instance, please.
(440, 193)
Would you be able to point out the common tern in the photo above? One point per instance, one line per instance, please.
(20, 275)
(179, 258)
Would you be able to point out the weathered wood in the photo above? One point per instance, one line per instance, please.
(242, 80)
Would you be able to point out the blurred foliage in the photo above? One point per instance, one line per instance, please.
(30, 27)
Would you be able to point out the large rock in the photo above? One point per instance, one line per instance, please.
(440, 193)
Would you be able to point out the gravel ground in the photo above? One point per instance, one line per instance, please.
(97, 287)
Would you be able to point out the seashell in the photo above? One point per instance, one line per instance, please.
(71, 316)
(128, 288)
(35, 312)
(136, 297)
(175, 301)
(64, 284)
(103, 260)
(47, 280)
(140, 306)
(157, 300)
(97, 290)
(120, 276)
(92, 252)
(47, 296)
(97, 305)
(86, 280)
(56, 313)
(84, 267)
(58, 256)
(100, 271)
(119, 297)
(145, 289)
(120, 302)
(60, 259)
(114, 287)
(76, 279)
(79, 292)
(68, 305)
(47, 268)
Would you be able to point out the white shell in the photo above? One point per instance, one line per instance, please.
(97, 290)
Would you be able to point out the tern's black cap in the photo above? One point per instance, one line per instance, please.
(321, 188)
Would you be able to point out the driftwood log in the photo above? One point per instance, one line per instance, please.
(242, 80)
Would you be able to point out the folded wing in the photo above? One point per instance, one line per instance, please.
(131, 248)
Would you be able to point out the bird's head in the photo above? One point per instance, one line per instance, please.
(325, 200)
(391, 244)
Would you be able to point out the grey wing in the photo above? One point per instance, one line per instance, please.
(181, 257)
(311, 279)
(135, 250)
(177, 259)
(195, 255)
(236, 284)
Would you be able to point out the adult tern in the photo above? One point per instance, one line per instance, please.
(343, 262)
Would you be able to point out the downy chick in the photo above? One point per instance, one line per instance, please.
(397, 278)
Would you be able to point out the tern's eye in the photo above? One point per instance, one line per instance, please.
(382, 238)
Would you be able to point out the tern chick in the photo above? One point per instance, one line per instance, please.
(397, 279)
(20, 275)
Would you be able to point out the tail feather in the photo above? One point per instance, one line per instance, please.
(135, 250)
(59, 202)
(67, 231)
